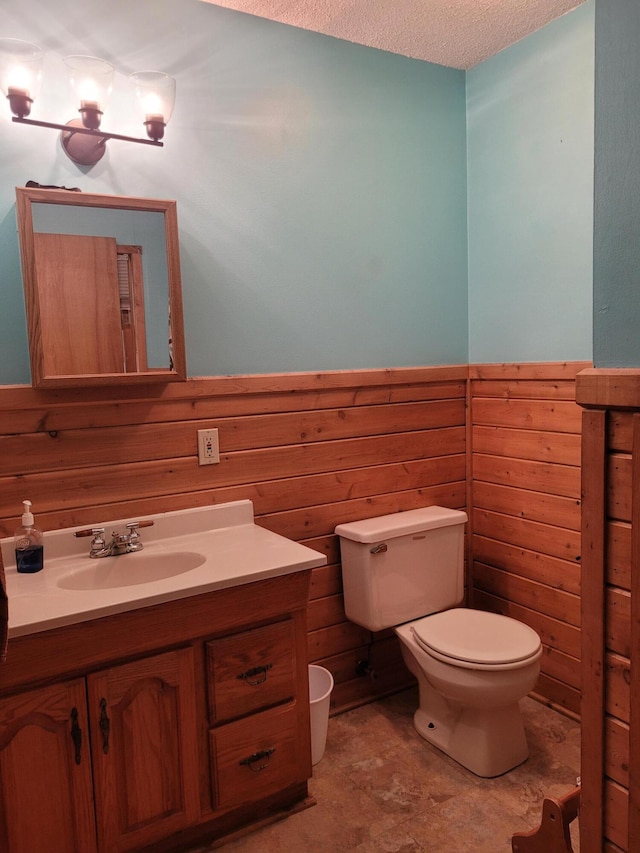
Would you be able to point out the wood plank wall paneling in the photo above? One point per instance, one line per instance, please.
(525, 450)
(314, 450)
(310, 451)
(610, 815)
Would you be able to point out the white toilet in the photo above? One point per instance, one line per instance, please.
(472, 667)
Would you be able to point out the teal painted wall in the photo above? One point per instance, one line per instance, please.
(323, 199)
(616, 282)
(321, 186)
(530, 116)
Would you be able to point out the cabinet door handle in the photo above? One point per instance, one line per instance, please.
(255, 676)
(76, 735)
(105, 725)
(259, 760)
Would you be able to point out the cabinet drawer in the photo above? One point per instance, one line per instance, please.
(251, 670)
(255, 757)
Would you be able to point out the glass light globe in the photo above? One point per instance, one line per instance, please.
(156, 93)
(20, 73)
(92, 82)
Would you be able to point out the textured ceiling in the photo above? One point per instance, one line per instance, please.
(456, 33)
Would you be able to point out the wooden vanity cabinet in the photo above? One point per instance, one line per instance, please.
(158, 727)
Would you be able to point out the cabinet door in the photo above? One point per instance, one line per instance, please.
(144, 741)
(46, 801)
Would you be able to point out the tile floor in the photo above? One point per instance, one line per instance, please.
(380, 788)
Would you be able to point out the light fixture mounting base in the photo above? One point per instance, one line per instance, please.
(82, 147)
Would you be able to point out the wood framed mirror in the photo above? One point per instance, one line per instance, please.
(102, 286)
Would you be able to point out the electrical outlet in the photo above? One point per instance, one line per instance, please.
(208, 448)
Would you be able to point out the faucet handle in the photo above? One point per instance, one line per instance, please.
(134, 536)
(89, 531)
(134, 525)
(97, 543)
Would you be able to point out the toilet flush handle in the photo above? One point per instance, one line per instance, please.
(379, 549)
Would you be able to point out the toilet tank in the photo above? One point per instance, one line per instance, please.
(399, 567)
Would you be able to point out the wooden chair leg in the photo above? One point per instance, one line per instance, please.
(552, 836)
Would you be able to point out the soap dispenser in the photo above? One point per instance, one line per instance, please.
(28, 543)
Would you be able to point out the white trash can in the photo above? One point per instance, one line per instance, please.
(320, 687)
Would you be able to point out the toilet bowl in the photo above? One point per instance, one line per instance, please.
(472, 669)
(406, 571)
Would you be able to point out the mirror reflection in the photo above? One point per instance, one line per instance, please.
(102, 288)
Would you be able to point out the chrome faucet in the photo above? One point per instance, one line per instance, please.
(121, 543)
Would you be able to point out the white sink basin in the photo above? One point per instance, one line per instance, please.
(185, 552)
(131, 570)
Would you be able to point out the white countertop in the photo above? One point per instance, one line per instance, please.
(229, 547)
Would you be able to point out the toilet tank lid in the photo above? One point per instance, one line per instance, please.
(400, 523)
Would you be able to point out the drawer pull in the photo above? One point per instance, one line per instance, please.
(259, 760)
(255, 676)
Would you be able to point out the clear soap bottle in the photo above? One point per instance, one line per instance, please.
(28, 543)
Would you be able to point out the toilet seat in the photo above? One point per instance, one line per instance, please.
(476, 639)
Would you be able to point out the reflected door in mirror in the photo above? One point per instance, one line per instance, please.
(91, 305)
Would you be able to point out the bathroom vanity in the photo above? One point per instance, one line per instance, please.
(177, 710)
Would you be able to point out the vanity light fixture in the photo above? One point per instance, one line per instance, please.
(91, 81)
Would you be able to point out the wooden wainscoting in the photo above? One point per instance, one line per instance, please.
(610, 809)
(525, 521)
(310, 451)
(314, 450)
